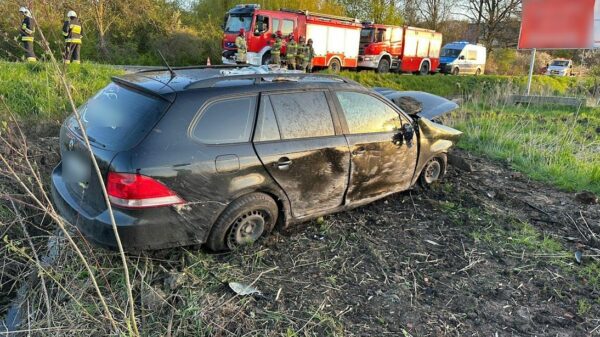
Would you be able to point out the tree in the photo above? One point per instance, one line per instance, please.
(493, 19)
(434, 13)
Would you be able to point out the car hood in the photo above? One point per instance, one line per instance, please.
(418, 103)
(447, 59)
(559, 68)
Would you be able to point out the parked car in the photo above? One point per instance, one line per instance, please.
(463, 57)
(560, 67)
(208, 156)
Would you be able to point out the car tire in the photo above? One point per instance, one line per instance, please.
(335, 66)
(243, 222)
(478, 72)
(424, 69)
(432, 172)
(384, 66)
(455, 71)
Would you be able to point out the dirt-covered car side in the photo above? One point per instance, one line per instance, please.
(220, 156)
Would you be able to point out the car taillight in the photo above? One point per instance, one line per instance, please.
(138, 191)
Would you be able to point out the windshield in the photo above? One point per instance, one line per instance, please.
(118, 118)
(447, 52)
(236, 22)
(560, 63)
(366, 35)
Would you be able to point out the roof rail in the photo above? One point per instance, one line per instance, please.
(263, 78)
(216, 66)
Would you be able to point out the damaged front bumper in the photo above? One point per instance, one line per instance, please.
(147, 229)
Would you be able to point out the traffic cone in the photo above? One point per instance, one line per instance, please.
(208, 61)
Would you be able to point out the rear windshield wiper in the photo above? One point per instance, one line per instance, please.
(90, 138)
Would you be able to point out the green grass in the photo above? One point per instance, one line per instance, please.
(552, 144)
(34, 90)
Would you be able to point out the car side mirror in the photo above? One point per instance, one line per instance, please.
(462, 57)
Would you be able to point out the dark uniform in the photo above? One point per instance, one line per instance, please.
(290, 55)
(310, 54)
(276, 51)
(73, 33)
(301, 56)
(27, 30)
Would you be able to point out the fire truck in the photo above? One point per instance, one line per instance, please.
(335, 38)
(403, 49)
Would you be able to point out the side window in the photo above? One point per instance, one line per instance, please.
(367, 114)
(288, 27)
(226, 121)
(380, 35)
(275, 25)
(472, 55)
(266, 125)
(303, 115)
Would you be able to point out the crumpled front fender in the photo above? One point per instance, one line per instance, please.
(434, 139)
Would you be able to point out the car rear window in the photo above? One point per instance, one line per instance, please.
(117, 118)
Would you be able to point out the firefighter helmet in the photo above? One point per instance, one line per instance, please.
(71, 14)
(291, 36)
(242, 31)
(278, 33)
(25, 11)
(302, 39)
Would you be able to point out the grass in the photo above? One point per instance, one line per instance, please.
(34, 90)
(560, 146)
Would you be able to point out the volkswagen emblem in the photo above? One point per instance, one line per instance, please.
(71, 145)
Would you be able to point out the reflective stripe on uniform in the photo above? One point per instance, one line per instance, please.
(27, 38)
(75, 29)
(31, 59)
(76, 41)
(65, 34)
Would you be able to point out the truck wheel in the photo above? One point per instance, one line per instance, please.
(424, 69)
(266, 59)
(478, 72)
(455, 71)
(335, 66)
(243, 222)
(384, 66)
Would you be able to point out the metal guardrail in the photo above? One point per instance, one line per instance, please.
(548, 100)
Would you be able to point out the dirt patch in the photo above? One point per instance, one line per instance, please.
(483, 253)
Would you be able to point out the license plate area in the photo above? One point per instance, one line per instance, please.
(76, 171)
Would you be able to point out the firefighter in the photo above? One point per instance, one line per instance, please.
(72, 32)
(292, 49)
(276, 49)
(310, 54)
(242, 47)
(26, 32)
(301, 55)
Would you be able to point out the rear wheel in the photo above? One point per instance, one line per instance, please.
(243, 222)
(335, 65)
(424, 69)
(478, 72)
(432, 172)
(455, 71)
(384, 66)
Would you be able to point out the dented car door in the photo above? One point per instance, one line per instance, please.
(382, 160)
(302, 149)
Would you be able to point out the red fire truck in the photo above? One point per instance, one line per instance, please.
(404, 49)
(335, 38)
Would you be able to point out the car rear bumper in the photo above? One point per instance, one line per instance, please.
(148, 229)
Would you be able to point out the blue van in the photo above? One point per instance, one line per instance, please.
(463, 57)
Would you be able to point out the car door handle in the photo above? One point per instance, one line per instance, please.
(283, 163)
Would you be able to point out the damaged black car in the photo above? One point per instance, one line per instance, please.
(220, 156)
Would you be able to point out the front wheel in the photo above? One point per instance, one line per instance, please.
(478, 72)
(266, 59)
(455, 71)
(432, 172)
(335, 66)
(243, 222)
(384, 66)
